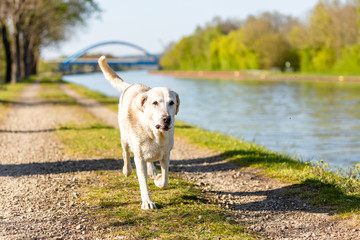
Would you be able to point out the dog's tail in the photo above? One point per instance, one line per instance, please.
(111, 76)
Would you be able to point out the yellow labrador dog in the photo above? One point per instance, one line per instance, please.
(146, 120)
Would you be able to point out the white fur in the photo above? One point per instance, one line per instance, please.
(143, 129)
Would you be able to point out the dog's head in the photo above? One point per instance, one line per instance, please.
(159, 106)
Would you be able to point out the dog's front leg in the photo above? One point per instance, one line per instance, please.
(141, 171)
(151, 170)
(161, 180)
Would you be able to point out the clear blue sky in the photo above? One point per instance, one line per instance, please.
(153, 24)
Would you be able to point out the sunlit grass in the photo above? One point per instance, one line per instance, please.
(92, 139)
(9, 93)
(109, 102)
(182, 213)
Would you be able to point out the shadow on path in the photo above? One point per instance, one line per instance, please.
(16, 170)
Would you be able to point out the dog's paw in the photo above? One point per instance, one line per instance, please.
(148, 205)
(127, 171)
(159, 182)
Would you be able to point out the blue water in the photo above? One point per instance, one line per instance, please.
(313, 119)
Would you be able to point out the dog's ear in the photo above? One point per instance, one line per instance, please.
(140, 101)
(177, 103)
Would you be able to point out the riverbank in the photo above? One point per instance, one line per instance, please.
(242, 153)
(239, 75)
(283, 116)
(307, 193)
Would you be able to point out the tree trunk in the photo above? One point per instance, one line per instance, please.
(7, 48)
(34, 56)
(18, 56)
(30, 55)
(13, 65)
(27, 57)
(16, 65)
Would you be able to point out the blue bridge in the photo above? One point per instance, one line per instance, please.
(146, 60)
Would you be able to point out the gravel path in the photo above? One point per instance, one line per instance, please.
(39, 184)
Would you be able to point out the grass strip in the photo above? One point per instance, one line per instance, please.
(182, 213)
(110, 102)
(9, 93)
(91, 139)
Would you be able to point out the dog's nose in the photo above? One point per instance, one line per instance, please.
(166, 120)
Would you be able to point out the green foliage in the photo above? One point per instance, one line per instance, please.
(323, 60)
(261, 43)
(325, 43)
(193, 52)
(317, 60)
(349, 61)
(35, 24)
(273, 50)
(228, 52)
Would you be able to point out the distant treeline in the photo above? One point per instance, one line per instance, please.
(326, 41)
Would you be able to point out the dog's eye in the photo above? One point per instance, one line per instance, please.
(155, 103)
(171, 103)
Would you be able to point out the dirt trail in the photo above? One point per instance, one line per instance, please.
(266, 206)
(38, 183)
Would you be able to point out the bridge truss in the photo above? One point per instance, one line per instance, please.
(146, 60)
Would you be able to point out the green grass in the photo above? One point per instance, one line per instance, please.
(9, 93)
(110, 102)
(336, 191)
(91, 139)
(182, 213)
(51, 92)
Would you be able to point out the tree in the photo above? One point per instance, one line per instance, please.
(328, 40)
(7, 51)
(332, 28)
(194, 52)
(36, 23)
(267, 36)
(230, 53)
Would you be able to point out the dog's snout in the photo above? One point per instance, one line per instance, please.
(167, 119)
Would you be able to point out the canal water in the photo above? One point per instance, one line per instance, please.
(314, 119)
